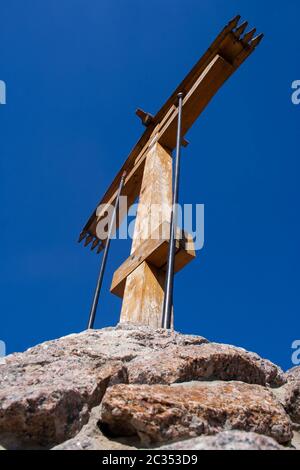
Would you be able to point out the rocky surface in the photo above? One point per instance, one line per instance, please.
(46, 393)
(227, 440)
(132, 386)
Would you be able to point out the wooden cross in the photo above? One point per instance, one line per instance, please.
(140, 279)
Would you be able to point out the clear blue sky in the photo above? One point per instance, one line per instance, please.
(75, 73)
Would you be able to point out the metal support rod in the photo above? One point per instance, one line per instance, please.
(168, 298)
(104, 258)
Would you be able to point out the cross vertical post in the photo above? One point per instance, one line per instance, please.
(144, 286)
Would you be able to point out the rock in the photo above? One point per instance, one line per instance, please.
(208, 362)
(289, 394)
(227, 440)
(293, 374)
(45, 404)
(91, 438)
(46, 393)
(290, 399)
(162, 413)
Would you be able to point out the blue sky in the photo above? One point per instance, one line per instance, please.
(75, 72)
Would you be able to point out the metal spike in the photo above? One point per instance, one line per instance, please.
(184, 142)
(248, 36)
(95, 243)
(81, 237)
(256, 40)
(88, 240)
(233, 23)
(100, 247)
(239, 31)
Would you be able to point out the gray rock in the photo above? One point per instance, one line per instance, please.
(227, 440)
(289, 394)
(46, 404)
(208, 362)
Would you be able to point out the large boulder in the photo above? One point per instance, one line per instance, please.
(47, 403)
(162, 413)
(209, 362)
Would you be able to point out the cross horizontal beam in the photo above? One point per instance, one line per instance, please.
(225, 55)
(154, 250)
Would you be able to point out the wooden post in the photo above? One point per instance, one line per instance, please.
(144, 288)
